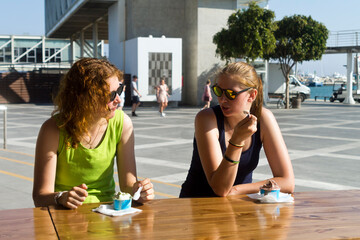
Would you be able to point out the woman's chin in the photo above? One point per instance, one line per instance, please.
(226, 111)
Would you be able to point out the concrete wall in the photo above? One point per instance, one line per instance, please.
(212, 17)
(195, 21)
(155, 17)
(117, 33)
(190, 53)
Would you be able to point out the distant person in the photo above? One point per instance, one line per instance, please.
(122, 95)
(162, 93)
(135, 96)
(206, 97)
(229, 137)
(342, 88)
(77, 146)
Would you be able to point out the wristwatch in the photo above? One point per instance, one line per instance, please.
(57, 196)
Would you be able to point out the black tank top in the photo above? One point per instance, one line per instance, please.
(196, 184)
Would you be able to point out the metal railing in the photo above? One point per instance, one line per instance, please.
(349, 38)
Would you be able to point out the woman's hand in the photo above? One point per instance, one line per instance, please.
(75, 197)
(244, 129)
(147, 193)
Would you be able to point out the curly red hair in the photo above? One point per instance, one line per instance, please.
(83, 95)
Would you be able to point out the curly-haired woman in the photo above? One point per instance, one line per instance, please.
(76, 147)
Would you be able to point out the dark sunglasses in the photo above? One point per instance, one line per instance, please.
(117, 92)
(230, 94)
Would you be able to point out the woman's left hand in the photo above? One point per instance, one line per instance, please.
(147, 193)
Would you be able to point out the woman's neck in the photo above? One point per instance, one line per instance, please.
(95, 126)
(95, 134)
(232, 121)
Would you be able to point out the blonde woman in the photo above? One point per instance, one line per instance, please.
(229, 137)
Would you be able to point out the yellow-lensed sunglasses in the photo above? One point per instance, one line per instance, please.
(230, 94)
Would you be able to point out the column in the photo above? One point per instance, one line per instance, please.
(95, 39)
(349, 92)
(82, 43)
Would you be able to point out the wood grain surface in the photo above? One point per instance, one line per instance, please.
(313, 215)
(27, 223)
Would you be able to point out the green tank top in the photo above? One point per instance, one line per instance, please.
(94, 167)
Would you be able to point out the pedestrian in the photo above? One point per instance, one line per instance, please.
(229, 137)
(206, 97)
(135, 96)
(122, 95)
(162, 93)
(76, 147)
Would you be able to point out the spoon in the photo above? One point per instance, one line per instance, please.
(247, 113)
(137, 193)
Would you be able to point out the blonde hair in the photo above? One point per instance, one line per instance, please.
(246, 76)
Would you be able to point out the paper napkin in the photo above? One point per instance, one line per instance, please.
(109, 210)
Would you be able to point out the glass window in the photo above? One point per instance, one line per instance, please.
(39, 55)
(2, 55)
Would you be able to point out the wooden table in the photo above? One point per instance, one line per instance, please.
(314, 215)
(27, 223)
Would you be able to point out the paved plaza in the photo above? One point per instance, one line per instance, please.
(323, 140)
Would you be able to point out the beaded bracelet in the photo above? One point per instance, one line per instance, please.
(236, 145)
(230, 160)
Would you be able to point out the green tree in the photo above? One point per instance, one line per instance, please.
(249, 34)
(298, 38)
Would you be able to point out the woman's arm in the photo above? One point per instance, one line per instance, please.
(45, 171)
(126, 164)
(276, 152)
(45, 164)
(277, 155)
(219, 172)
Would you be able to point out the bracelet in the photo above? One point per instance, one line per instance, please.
(230, 160)
(236, 145)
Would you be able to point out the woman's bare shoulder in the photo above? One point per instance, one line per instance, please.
(266, 116)
(48, 137)
(205, 118)
(50, 125)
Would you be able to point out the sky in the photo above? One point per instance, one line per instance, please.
(26, 17)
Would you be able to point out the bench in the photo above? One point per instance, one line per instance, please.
(325, 97)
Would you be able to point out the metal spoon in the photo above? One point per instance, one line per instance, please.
(137, 193)
(247, 113)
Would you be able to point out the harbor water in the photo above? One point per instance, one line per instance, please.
(325, 91)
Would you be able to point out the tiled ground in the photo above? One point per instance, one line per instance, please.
(322, 138)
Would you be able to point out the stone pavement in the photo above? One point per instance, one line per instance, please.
(322, 139)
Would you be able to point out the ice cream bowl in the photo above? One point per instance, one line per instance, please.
(122, 201)
(273, 192)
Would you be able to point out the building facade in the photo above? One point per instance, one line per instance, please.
(117, 21)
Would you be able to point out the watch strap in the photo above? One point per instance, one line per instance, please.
(57, 196)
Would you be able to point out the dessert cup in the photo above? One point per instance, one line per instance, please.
(122, 204)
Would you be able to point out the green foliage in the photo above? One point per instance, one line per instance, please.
(249, 34)
(299, 38)
(252, 33)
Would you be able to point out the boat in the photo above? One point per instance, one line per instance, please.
(315, 82)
